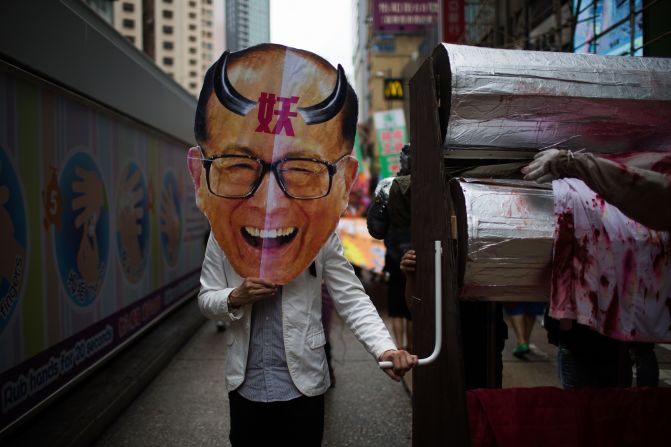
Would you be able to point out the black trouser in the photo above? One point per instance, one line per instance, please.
(477, 319)
(645, 360)
(587, 358)
(296, 422)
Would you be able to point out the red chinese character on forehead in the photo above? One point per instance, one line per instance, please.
(285, 113)
(266, 107)
(267, 110)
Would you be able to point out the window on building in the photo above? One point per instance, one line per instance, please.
(192, 38)
(167, 14)
(192, 15)
(168, 61)
(192, 4)
(192, 27)
(605, 27)
(131, 39)
(167, 29)
(128, 23)
(192, 62)
(167, 45)
(193, 74)
(128, 7)
(193, 85)
(167, 1)
(192, 50)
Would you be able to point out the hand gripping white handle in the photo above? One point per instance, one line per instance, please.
(439, 310)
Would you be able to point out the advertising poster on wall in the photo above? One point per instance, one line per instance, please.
(100, 235)
(390, 136)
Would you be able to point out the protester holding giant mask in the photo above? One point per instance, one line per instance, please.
(275, 128)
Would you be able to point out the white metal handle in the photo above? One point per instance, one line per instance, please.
(439, 310)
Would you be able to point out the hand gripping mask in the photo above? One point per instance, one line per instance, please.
(272, 172)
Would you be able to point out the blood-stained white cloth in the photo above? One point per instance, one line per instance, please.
(608, 271)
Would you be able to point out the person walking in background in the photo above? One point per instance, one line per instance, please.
(523, 318)
(401, 319)
(389, 219)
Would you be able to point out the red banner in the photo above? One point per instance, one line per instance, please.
(453, 21)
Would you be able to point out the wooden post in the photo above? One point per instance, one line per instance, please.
(439, 399)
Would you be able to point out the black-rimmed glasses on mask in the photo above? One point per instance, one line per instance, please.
(239, 176)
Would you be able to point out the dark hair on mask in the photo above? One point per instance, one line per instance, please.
(350, 108)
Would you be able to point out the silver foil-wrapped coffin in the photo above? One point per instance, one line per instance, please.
(515, 99)
(504, 240)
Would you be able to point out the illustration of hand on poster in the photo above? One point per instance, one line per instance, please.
(82, 245)
(132, 223)
(273, 170)
(90, 202)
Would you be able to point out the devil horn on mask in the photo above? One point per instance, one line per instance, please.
(330, 106)
(315, 114)
(228, 96)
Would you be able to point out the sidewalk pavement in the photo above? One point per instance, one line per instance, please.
(187, 405)
(539, 368)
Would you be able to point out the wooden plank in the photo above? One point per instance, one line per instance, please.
(439, 399)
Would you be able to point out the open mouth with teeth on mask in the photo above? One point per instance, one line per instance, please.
(275, 237)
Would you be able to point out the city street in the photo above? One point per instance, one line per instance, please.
(187, 405)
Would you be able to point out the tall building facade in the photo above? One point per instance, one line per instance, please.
(610, 27)
(247, 23)
(179, 35)
(360, 55)
(388, 38)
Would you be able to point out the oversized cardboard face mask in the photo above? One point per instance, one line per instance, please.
(273, 172)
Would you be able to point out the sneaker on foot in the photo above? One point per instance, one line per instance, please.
(521, 350)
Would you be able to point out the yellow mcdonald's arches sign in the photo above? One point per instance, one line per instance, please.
(393, 89)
